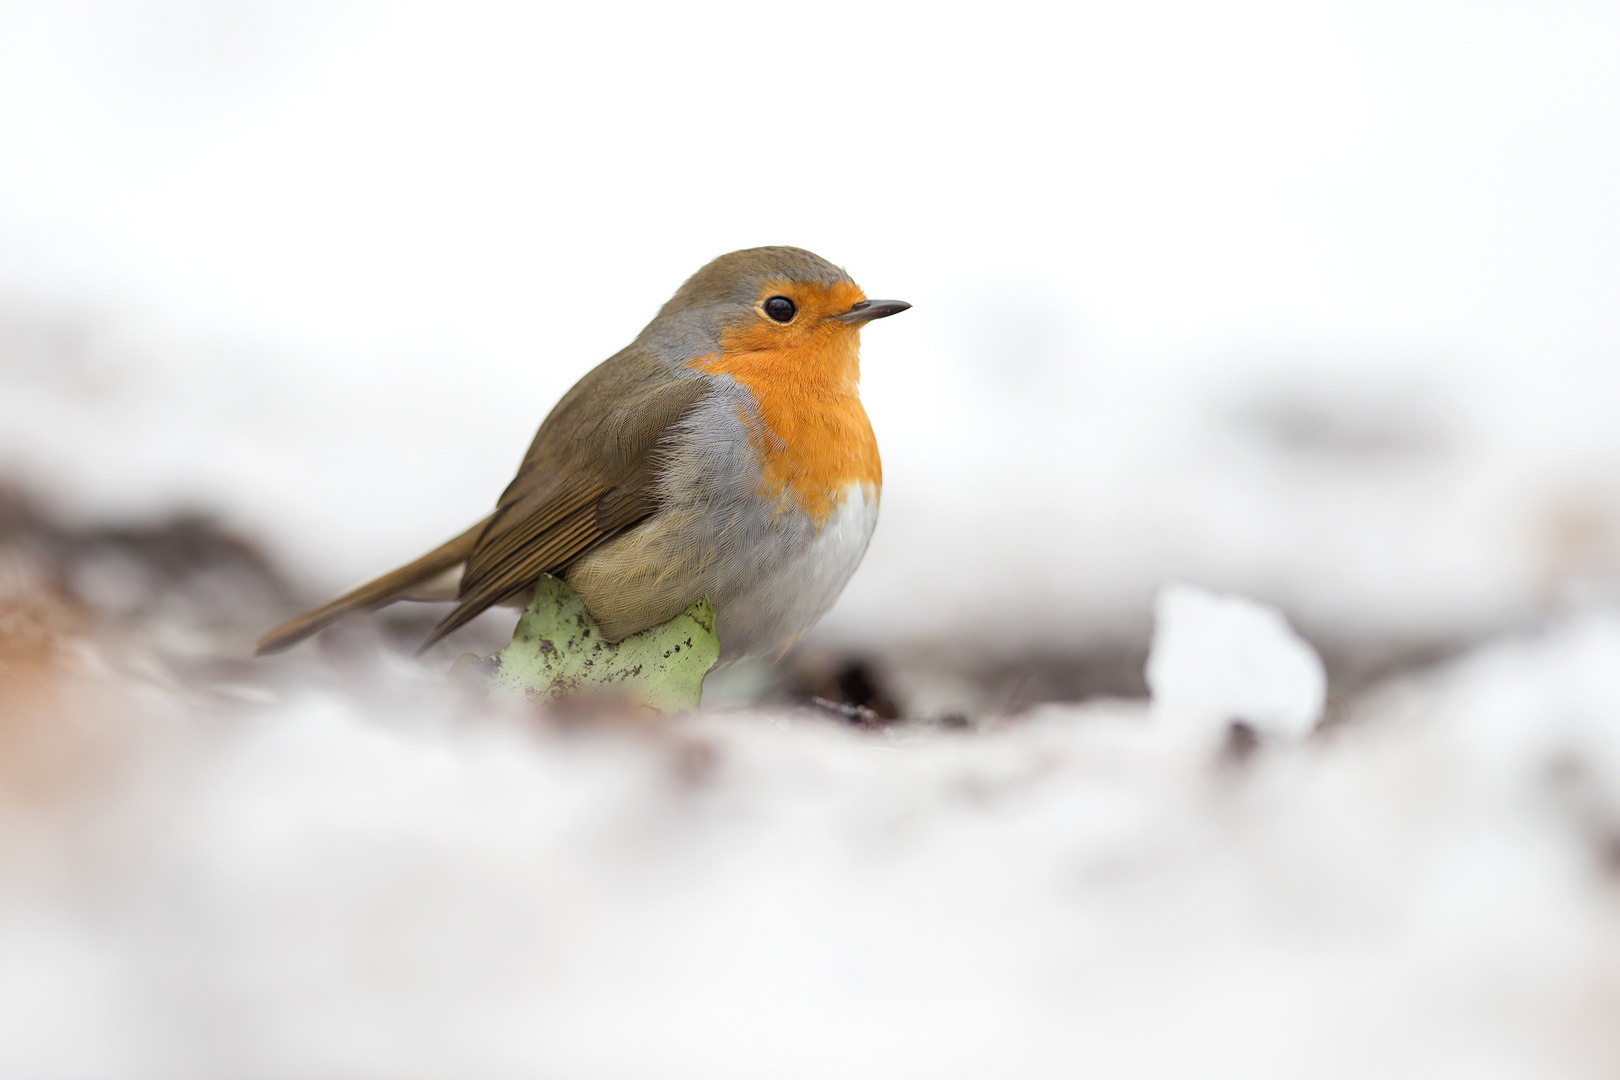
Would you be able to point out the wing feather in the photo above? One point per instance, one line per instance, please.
(590, 475)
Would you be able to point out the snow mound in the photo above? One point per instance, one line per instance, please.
(1218, 660)
(420, 886)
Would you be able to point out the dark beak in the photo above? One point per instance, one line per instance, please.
(867, 310)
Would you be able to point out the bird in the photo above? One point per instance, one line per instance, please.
(723, 453)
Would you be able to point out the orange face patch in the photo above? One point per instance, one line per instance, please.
(805, 376)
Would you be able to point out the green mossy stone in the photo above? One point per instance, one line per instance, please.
(558, 651)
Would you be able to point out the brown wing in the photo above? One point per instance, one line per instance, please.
(589, 475)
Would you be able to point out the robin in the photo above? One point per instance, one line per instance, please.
(723, 453)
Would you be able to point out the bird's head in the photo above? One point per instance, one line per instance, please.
(781, 307)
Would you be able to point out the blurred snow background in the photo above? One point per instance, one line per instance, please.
(1315, 303)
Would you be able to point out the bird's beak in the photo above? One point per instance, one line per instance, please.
(867, 310)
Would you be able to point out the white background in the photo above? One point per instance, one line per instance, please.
(323, 268)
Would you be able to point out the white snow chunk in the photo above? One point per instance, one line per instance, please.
(1217, 659)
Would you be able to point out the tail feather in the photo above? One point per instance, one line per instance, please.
(374, 594)
(469, 609)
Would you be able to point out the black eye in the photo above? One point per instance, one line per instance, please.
(781, 309)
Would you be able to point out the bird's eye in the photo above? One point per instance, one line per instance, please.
(781, 309)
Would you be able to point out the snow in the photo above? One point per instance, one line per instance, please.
(1311, 305)
(321, 888)
(1219, 660)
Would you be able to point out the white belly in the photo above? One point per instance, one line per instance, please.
(789, 577)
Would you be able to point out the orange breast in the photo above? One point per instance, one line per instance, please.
(814, 440)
